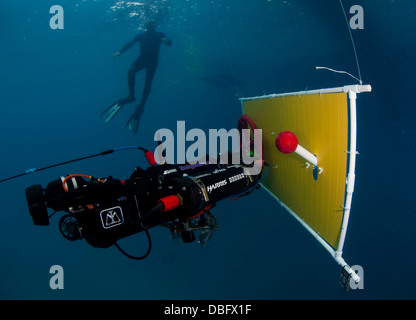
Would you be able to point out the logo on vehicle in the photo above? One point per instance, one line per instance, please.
(111, 217)
(216, 186)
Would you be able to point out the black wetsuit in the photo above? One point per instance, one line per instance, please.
(150, 42)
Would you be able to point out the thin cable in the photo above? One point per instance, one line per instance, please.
(52, 214)
(353, 44)
(133, 257)
(129, 148)
(28, 171)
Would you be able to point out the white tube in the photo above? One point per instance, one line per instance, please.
(353, 88)
(337, 257)
(347, 268)
(351, 170)
(305, 154)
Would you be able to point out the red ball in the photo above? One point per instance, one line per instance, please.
(286, 142)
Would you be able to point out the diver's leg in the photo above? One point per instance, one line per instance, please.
(150, 73)
(131, 79)
(133, 122)
(109, 113)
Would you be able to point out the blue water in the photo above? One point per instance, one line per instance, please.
(55, 83)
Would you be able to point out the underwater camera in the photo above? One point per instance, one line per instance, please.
(178, 197)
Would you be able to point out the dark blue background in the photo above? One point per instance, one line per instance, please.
(55, 83)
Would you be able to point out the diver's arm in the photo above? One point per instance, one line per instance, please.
(127, 46)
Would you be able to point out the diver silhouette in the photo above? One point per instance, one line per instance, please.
(150, 42)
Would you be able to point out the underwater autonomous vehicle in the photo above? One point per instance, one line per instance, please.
(178, 197)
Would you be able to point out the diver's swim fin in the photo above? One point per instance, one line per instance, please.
(111, 111)
(133, 123)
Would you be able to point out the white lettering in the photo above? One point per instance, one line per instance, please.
(251, 153)
(357, 21)
(192, 311)
(57, 280)
(57, 21)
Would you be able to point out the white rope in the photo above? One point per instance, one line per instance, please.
(337, 71)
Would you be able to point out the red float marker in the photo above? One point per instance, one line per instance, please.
(287, 142)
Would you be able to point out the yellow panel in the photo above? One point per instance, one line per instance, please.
(320, 123)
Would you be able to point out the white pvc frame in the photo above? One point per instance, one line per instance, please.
(352, 96)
